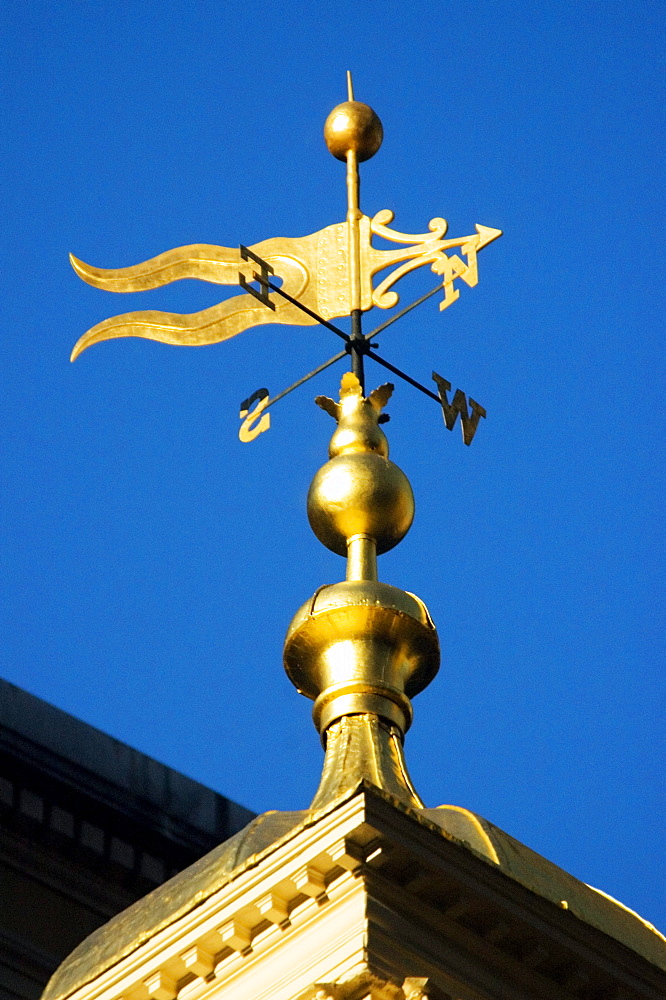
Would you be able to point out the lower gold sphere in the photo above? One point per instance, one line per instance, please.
(360, 493)
(353, 126)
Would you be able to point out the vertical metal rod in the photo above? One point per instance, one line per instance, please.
(356, 342)
(361, 558)
(354, 243)
(353, 227)
(350, 86)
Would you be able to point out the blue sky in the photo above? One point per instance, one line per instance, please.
(152, 562)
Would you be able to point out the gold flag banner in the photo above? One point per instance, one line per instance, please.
(313, 269)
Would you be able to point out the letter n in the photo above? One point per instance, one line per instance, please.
(458, 405)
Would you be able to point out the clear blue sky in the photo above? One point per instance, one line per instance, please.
(152, 563)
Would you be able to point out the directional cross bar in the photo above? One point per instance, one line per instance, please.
(257, 421)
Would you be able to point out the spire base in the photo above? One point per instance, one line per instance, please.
(364, 747)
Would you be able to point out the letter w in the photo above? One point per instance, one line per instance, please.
(458, 405)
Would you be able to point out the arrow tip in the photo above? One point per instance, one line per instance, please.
(486, 235)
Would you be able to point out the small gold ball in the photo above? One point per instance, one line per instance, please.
(360, 493)
(353, 126)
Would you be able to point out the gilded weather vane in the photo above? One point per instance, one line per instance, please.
(360, 649)
(323, 276)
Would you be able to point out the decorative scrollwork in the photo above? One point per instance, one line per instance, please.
(426, 248)
(379, 226)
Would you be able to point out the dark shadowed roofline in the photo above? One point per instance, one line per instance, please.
(66, 748)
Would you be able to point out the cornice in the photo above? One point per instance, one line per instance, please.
(370, 888)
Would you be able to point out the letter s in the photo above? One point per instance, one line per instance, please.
(247, 431)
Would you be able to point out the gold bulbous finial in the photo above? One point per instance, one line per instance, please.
(361, 649)
(359, 491)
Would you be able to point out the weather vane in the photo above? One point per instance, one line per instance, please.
(323, 276)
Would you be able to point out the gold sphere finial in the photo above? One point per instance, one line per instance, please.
(353, 127)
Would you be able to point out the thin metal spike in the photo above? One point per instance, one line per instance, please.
(401, 374)
(403, 312)
(306, 378)
(309, 312)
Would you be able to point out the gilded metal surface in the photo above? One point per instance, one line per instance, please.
(136, 925)
(354, 217)
(127, 932)
(353, 126)
(360, 494)
(359, 491)
(357, 418)
(361, 558)
(362, 746)
(255, 421)
(358, 644)
(431, 247)
(361, 648)
(458, 406)
(466, 827)
(330, 272)
(261, 276)
(309, 268)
